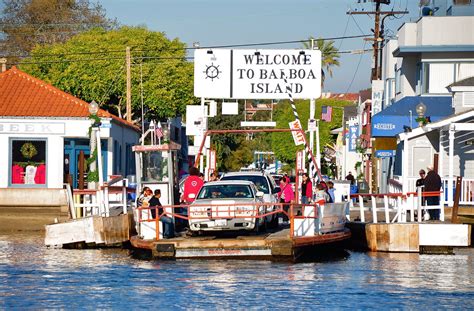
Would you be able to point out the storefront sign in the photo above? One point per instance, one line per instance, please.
(353, 134)
(32, 128)
(385, 153)
(257, 74)
(377, 95)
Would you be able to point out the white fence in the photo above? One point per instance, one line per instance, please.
(396, 207)
(109, 200)
(467, 189)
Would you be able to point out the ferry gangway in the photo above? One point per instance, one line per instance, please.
(111, 198)
(396, 204)
(305, 220)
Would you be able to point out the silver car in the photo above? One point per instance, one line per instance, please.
(217, 207)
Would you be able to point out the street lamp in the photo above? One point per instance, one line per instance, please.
(420, 111)
(93, 108)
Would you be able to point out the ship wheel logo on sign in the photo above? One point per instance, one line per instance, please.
(212, 71)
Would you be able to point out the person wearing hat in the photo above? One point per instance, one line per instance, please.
(432, 182)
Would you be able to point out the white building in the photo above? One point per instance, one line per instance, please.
(43, 132)
(428, 55)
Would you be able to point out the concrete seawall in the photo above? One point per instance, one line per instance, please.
(30, 209)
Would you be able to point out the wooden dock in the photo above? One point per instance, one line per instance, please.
(91, 231)
(273, 246)
(410, 237)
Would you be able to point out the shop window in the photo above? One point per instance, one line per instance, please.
(28, 162)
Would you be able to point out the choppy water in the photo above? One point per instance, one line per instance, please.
(35, 277)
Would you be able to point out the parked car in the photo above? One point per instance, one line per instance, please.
(216, 207)
(265, 183)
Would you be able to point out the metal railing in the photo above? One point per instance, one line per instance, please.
(304, 219)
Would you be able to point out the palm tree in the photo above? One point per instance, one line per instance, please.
(329, 55)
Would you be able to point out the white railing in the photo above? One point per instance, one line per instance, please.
(397, 207)
(109, 200)
(467, 189)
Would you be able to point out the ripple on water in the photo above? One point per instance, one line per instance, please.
(33, 276)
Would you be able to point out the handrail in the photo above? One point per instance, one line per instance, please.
(213, 212)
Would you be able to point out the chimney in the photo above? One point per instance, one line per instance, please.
(3, 61)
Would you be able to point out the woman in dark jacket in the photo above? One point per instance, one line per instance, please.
(432, 183)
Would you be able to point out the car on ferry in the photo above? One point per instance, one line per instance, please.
(227, 206)
(264, 183)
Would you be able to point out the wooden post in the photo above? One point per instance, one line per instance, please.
(457, 195)
(81, 170)
(436, 162)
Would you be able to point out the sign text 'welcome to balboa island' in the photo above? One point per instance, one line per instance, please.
(257, 74)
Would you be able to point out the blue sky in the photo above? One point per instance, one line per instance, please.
(224, 22)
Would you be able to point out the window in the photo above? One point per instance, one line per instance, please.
(437, 76)
(28, 162)
(464, 70)
(468, 99)
(440, 76)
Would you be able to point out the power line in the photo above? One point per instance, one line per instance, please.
(191, 48)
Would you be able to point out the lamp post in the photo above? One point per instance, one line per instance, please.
(93, 109)
(421, 110)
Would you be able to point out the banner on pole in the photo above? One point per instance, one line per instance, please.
(298, 136)
(353, 134)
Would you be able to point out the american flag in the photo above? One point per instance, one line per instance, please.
(326, 113)
(159, 130)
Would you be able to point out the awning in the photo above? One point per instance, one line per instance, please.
(392, 120)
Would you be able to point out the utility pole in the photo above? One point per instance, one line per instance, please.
(377, 64)
(378, 35)
(129, 84)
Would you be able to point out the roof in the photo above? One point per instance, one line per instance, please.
(436, 105)
(22, 95)
(464, 82)
(228, 182)
(245, 173)
(341, 96)
(439, 124)
(402, 114)
(416, 49)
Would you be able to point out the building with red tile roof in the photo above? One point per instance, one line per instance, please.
(43, 130)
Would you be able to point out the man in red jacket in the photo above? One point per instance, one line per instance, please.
(192, 185)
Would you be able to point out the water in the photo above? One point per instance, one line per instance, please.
(35, 277)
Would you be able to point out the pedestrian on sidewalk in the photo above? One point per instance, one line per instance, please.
(306, 189)
(432, 183)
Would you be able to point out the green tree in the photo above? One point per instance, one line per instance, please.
(235, 151)
(329, 55)
(27, 23)
(91, 66)
(282, 143)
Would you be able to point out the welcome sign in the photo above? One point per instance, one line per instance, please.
(257, 74)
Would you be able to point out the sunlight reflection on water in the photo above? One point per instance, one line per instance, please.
(33, 276)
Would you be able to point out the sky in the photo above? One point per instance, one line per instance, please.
(229, 22)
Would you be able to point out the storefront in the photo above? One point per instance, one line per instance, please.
(44, 135)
